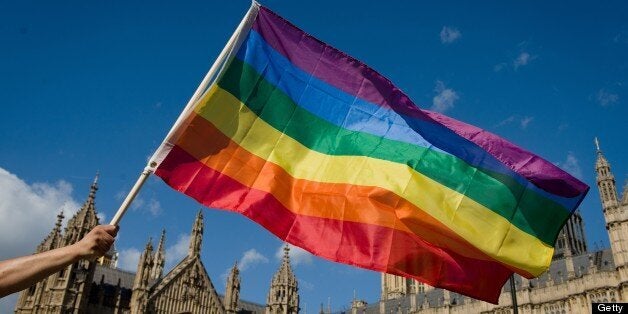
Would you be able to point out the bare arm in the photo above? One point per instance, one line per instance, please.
(22, 272)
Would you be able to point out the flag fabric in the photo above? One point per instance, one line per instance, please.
(329, 155)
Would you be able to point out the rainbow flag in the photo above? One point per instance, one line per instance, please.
(329, 155)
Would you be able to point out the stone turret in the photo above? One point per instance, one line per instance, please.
(142, 277)
(196, 239)
(54, 238)
(232, 293)
(571, 239)
(160, 258)
(605, 180)
(616, 215)
(84, 220)
(394, 287)
(283, 296)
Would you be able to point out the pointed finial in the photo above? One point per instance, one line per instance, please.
(597, 145)
(196, 237)
(149, 244)
(234, 269)
(59, 220)
(286, 252)
(162, 239)
(94, 187)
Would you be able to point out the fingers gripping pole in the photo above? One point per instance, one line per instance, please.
(129, 198)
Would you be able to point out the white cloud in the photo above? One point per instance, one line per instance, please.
(499, 67)
(29, 212)
(298, 255)
(176, 252)
(128, 259)
(251, 258)
(571, 165)
(444, 99)
(525, 121)
(505, 121)
(523, 59)
(605, 98)
(154, 207)
(621, 38)
(449, 34)
(306, 285)
(151, 206)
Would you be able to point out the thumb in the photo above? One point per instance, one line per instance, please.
(111, 229)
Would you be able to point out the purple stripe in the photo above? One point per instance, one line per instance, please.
(538, 170)
(330, 64)
(354, 77)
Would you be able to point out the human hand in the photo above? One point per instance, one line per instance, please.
(97, 242)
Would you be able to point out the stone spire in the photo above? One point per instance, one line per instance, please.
(196, 238)
(232, 293)
(283, 296)
(160, 258)
(616, 216)
(139, 296)
(53, 239)
(605, 180)
(85, 219)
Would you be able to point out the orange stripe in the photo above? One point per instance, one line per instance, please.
(363, 245)
(363, 204)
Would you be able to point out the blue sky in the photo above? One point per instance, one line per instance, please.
(95, 86)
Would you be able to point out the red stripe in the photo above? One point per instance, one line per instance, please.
(364, 245)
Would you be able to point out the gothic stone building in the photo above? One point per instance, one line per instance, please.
(576, 278)
(99, 287)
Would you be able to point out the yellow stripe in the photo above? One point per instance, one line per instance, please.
(489, 232)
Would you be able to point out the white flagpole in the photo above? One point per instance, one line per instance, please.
(209, 79)
(131, 196)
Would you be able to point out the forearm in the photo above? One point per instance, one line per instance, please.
(22, 272)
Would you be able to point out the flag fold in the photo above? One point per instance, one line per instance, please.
(330, 156)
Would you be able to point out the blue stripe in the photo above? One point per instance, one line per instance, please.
(308, 92)
(356, 114)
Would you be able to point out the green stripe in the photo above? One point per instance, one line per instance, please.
(524, 208)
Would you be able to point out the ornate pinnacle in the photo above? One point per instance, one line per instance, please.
(59, 220)
(94, 187)
(149, 244)
(162, 239)
(286, 253)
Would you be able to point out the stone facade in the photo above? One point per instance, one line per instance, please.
(98, 287)
(576, 278)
